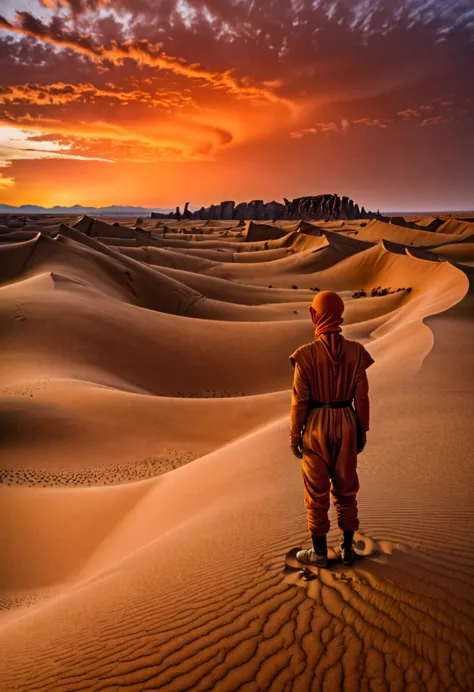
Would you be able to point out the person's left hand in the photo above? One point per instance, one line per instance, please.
(361, 443)
(297, 451)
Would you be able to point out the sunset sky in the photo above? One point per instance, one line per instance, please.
(158, 102)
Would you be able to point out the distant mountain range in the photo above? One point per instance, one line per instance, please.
(114, 210)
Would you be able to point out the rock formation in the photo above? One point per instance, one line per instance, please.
(255, 210)
(273, 211)
(240, 211)
(324, 207)
(327, 207)
(227, 210)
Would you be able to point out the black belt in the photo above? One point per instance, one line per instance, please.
(330, 404)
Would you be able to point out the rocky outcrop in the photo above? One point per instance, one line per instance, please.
(227, 211)
(326, 207)
(240, 211)
(187, 214)
(272, 211)
(255, 209)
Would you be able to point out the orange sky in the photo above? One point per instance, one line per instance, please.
(155, 103)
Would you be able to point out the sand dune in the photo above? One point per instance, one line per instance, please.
(95, 227)
(456, 226)
(260, 231)
(457, 252)
(229, 291)
(377, 230)
(148, 496)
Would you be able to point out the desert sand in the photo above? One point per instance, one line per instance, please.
(148, 494)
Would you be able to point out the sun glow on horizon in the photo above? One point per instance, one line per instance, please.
(235, 102)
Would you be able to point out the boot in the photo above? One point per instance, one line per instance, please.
(317, 556)
(320, 544)
(347, 554)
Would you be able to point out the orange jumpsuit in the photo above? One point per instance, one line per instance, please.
(329, 369)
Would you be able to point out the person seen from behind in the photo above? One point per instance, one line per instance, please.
(329, 421)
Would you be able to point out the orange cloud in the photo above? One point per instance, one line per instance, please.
(172, 139)
(143, 53)
(6, 182)
(320, 128)
(372, 122)
(76, 6)
(60, 94)
(17, 144)
(342, 127)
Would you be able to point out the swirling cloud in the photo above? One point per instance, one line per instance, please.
(236, 87)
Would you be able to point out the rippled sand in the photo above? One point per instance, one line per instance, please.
(148, 494)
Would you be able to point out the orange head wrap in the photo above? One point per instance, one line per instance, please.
(328, 308)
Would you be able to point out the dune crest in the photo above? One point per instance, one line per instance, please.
(148, 497)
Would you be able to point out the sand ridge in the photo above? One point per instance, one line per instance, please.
(148, 496)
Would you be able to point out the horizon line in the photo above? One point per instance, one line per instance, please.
(158, 208)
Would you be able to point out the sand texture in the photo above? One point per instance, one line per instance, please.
(148, 495)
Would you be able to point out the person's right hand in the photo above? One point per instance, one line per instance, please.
(361, 444)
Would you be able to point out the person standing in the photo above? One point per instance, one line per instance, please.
(329, 420)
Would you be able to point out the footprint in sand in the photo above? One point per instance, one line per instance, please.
(19, 315)
(364, 545)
